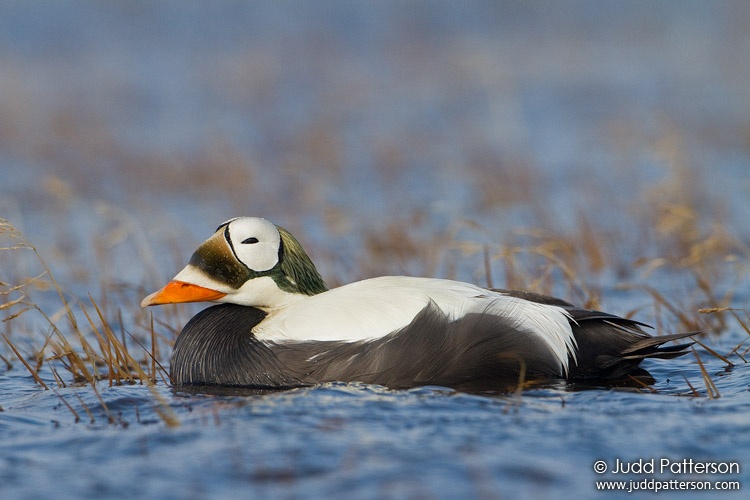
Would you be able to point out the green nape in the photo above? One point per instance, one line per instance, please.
(299, 271)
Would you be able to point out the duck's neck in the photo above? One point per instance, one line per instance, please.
(266, 294)
(299, 275)
(282, 300)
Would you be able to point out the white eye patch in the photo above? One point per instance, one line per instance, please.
(255, 242)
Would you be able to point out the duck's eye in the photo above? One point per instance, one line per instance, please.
(250, 240)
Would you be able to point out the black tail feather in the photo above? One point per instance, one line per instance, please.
(612, 348)
(652, 346)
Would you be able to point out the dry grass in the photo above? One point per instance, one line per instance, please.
(90, 356)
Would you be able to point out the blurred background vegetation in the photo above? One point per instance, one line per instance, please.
(597, 150)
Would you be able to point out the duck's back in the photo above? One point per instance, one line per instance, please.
(374, 308)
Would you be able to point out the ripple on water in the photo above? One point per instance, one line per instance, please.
(354, 439)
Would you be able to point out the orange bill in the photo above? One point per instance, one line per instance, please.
(179, 291)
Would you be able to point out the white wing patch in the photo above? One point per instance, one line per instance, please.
(550, 323)
(370, 309)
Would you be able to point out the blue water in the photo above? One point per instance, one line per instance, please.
(358, 441)
(129, 130)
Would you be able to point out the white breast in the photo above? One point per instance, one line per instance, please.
(373, 308)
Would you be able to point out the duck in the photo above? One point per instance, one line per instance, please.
(277, 325)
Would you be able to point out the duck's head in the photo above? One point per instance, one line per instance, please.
(248, 261)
